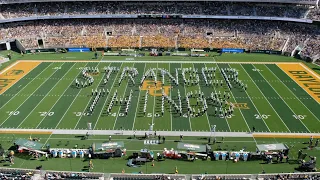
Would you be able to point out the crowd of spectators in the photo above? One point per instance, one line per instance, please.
(124, 41)
(187, 8)
(280, 176)
(142, 176)
(15, 174)
(71, 175)
(130, 33)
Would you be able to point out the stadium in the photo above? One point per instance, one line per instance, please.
(182, 90)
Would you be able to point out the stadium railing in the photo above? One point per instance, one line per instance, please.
(44, 174)
(271, 1)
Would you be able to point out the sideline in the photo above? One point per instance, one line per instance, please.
(162, 133)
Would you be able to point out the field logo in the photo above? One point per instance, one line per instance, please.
(241, 105)
(155, 90)
(14, 72)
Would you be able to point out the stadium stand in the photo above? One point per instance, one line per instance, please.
(19, 174)
(268, 35)
(161, 33)
(28, 174)
(9, 11)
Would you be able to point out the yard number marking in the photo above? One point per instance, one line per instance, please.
(46, 113)
(258, 70)
(150, 115)
(299, 116)
(262, 116)
(13, 113)
(81, 113)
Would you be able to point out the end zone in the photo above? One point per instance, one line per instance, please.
(14, 73)
(304, 77)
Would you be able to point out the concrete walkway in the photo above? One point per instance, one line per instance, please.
(162, 133)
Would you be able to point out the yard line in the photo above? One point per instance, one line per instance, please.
(283, 100)
(154, 100)
(26, 85)
(1, 72)
(135, 114)
(94, 127)
(292, 92)
(307, 69)
(171, 97)
(256, 107)
(44, 98)
(265, 98)
(58, 98)
(235, 100)
(29, 97)
(137, 140)
(207, 114)
(47, 140)
(69, 105)
(185, 93)
(114, 125)
(88, 101)
(183, 61)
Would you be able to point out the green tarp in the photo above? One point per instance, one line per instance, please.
(32, 145)
(105, 146)
(192, 147)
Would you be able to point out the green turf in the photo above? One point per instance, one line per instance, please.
(47, 98)
(115, 165)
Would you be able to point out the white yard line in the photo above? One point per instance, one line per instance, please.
(162, 61)
(47, 140)
(9, 67)
(207, 114)
(309, 70)
(69, 105)
(124, 93)
(26, 85)
(88, 101)
(43, 99)
(135, 114)
(29, 96)
(58, 98)
(170, 111)
(265, 98)
(256, 108)
(185, 93)
(235, 102)
(301, 64)
(283, 100)
(292, 92)
(112, 86)
(154, 100)
(137, 140)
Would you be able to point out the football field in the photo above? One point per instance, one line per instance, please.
(280, 97)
